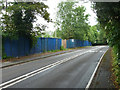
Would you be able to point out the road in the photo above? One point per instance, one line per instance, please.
(69, 70)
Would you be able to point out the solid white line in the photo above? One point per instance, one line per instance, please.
(23, 77)
(90, 81)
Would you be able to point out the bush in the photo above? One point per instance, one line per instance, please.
(116, 67)
(62, 48)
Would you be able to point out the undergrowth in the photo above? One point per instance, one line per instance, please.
(116, 68)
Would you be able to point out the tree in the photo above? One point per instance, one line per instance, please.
(71, 21)
(92, 34)
(1, 7)
(18, 22)
(109, 18)
(96, 35)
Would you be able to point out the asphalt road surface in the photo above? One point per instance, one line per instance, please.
(69, 70)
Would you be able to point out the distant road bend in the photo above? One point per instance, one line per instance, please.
(68, 70)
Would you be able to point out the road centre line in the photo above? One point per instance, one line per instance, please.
(35, 72)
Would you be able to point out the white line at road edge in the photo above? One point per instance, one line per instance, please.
(90, 81)
(28, 75)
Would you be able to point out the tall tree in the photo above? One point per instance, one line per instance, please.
(96, 35)
(71, 21)
(1, 7)
(109, 18)
(18, 22)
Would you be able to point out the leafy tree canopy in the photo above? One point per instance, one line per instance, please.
(96, 35)
(71, 21)
(19, 18)
(109, 17)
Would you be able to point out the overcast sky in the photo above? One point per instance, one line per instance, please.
(53, 10)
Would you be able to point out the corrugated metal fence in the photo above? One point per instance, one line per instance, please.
(72, 43)
(21, 47)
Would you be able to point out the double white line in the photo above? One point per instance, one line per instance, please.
(28, 75)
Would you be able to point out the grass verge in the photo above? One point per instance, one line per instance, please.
(38, 54)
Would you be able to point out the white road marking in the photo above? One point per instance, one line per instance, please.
(90, 81)
(28, 75)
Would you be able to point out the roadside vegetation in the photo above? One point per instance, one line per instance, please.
(116, 70)
(72, 23)
(6, 58)
(108, 14)
(18, 18)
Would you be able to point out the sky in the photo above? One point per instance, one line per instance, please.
(53, 10)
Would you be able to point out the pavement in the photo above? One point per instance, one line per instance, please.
(69, 70)
(103, 77)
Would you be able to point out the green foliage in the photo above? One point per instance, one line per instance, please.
(4, 56)
(3, 53)
(0, 31)
(47, 35)
(19, 19)
(71, 21)
(1, 7)
(92, 34)
(116, 66)
(109, 18)
(62, 48)
(96, 35)
(44, 51)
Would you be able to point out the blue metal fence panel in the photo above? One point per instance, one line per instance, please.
(77, 43)
(90, 44)
(72, 43)
(46, 41)
(67, 43)
(43, 44)
(59, 43)
(32, 50)
(49, 44)
(38, 46)
(14, 48)
(54, 44)
(84, 43)
(21, 47)
(27, 46)
(7, 47)
(87, 43)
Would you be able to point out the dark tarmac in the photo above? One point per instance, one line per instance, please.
(103, 77)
